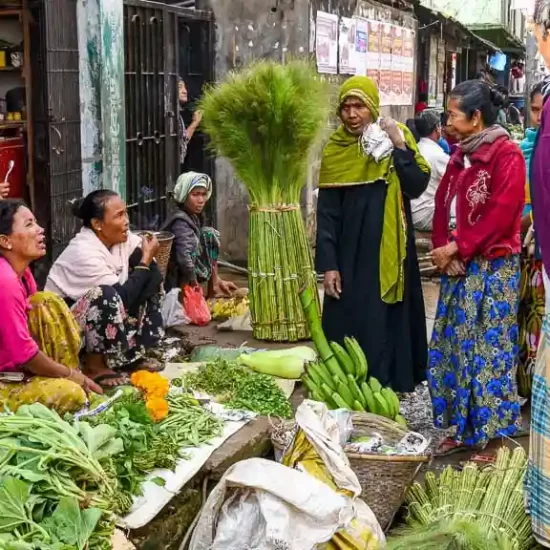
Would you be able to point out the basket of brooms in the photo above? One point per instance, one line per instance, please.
(264, 119)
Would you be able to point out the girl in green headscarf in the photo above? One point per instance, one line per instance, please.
(194, 254)
(370, 170)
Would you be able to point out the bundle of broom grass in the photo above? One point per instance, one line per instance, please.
(264, 120)
(472, 509)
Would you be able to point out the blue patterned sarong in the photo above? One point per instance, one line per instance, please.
(474, 352)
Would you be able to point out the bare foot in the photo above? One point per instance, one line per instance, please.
(96, 369)
(151, 365)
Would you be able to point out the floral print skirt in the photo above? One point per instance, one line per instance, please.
(531, 313)
(111, 331)
(474, 352)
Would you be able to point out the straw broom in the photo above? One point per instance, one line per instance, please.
(264, 120)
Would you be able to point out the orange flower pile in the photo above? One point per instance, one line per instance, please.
(155, 388)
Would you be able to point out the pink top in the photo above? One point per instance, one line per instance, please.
(16, 344)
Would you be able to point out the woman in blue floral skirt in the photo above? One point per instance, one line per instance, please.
(476, 237)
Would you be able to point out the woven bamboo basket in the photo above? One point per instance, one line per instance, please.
(162, 257)
(384, 479)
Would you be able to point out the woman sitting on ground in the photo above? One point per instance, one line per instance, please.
(109, 279)
(39, 338)
(194, 256)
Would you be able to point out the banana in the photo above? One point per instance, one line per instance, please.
(358, 407)
(314, 375)
(311, 385)
(401, 420)
(323, 373)
(382, 406)
(359, 360)
(343, 358)
(327, 392)
(356, 392)
(375, 386)
(340, 402)
(346, 394)
(392, 400)
(369, 398)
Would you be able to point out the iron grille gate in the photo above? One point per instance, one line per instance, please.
(153, 36)
(56, 121)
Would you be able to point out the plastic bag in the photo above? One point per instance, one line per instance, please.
(195, 306)
(172, 310)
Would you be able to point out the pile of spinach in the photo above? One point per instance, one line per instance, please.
(54, 491)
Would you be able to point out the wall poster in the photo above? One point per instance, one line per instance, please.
(326, 42)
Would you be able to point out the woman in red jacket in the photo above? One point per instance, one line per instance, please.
(476, 240)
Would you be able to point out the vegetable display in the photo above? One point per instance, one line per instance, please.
(340, 378)
(63, 482)
(491, 499)
(240, 388)
(264, 119)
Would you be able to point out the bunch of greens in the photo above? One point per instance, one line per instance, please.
(143, 446)
(49, 471)
(26, 525)
(264, 120)
(37, 446)
(240, 388)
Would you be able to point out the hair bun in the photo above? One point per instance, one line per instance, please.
(76, 207)
(497, 97)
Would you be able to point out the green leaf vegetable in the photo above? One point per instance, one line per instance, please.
(240, 388)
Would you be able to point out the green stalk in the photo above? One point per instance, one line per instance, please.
(309, 303)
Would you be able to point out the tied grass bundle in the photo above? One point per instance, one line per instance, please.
(490, 500)
(264, 120)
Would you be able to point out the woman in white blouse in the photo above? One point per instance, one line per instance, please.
(428, 129)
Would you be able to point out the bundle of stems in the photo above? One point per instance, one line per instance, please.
(264, 120)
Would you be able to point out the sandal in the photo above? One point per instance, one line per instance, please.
(150, 365)
(480, 460)
(448, 447)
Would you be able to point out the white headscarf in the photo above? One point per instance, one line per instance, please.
(189, 181)
(87, 263)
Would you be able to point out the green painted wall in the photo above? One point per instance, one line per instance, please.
(101, 46)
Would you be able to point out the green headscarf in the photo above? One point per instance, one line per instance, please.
(189, 181)
(345, 164)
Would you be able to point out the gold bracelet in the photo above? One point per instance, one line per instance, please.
(142, 267)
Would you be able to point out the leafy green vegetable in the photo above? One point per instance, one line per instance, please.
(72, 526)
(238, 387)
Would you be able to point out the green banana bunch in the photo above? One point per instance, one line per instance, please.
(350, 387)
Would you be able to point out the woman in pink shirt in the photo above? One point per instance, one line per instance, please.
(39, 339)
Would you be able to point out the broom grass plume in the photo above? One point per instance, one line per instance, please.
(264, 120)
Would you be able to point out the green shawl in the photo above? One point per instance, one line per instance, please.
(345, 164)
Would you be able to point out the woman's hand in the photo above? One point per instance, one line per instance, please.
(149, 246)
(4, 189)
(394, 133)
(226, 288)
(333, 284)
(456, 268)
(442, 256)
(197, 117)
(87, 384)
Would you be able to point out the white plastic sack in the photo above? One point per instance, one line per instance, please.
(172, 310)
(264, 505)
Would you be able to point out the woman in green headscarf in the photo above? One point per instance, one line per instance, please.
(194, 254)
(365, 239)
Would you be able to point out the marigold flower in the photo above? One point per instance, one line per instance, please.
(158, 408)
